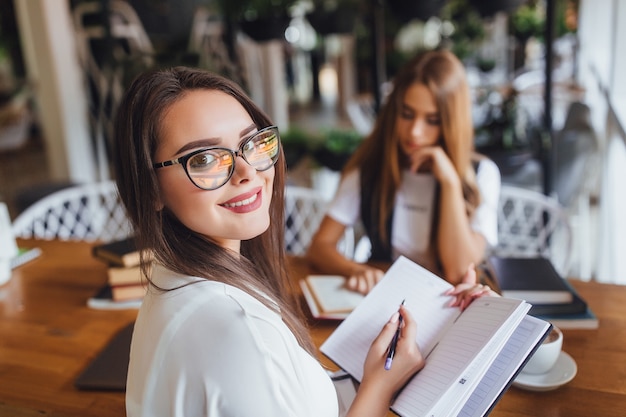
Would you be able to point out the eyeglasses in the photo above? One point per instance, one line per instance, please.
(210, 168)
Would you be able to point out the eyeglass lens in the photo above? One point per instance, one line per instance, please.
(212, 168)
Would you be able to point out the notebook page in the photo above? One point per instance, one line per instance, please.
(500, 373)
(423, 291)
(460, 360)
(475, 372)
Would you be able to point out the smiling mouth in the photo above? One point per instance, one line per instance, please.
(240, 203)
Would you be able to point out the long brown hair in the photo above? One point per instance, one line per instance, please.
(260, 268)
(380, 158)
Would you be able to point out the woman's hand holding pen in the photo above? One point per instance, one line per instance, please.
(406, 361)
(468, 290)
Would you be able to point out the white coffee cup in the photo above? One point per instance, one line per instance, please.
(546, 354)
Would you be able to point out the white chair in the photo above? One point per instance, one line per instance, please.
(87, 212)
(304, 210)
(533, 224)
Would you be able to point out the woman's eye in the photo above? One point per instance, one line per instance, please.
(407, 115)
(201, 161)
(434, 121)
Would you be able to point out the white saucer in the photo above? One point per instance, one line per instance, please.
(564, 371)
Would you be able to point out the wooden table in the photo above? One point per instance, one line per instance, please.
(48, 335)
(599, 388)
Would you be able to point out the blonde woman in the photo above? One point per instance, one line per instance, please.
(416, 183)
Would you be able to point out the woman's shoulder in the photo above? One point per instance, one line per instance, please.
(485, 166)
(206, 295)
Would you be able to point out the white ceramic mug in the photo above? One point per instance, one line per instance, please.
(546, 354)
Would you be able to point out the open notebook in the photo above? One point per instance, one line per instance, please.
(471, 356)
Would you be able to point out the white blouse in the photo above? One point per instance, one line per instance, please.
(413, 210)
(210, 349)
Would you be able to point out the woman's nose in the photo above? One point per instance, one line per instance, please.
(417, 129)
(243, 170)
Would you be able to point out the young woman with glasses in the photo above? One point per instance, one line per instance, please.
(201, 173)
(415, 184)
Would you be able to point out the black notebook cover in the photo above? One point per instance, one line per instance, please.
(108, 370)
(528, 274)
(119, 252)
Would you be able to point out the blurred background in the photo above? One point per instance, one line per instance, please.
(549, 104)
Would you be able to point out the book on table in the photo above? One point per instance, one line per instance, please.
(128, 292)
(119, 297)
(119, 275)
(531, 279)
(584, 320)
(103, 300)
(328, 297)
(471, 356)
(122, 252)
(577, 306)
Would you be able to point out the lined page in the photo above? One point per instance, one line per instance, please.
(519, 346)
(423, 291)
(462, 357)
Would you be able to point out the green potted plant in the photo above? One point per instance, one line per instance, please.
(527, 22)
(296, 145)
(469, 28)
(335, 146)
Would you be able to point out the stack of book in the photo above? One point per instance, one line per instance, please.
(552, 297)
(126, 286)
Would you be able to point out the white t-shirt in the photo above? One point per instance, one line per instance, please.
(210, 349)
(413, 210)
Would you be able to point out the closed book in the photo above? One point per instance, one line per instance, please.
(531, 279)
(577, 306)
(128, 292)
(119, 252)
(119, 275)
(328, 297)
(103, 300)
(584, 320)
(108, 370)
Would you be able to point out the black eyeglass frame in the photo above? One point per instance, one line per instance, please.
(182, 160)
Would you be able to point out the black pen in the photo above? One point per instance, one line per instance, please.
(394, 342)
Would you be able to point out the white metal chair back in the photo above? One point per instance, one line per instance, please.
(304, 210)
(532, 224)
(87, 212)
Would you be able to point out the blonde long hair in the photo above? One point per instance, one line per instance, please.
(380, 158)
